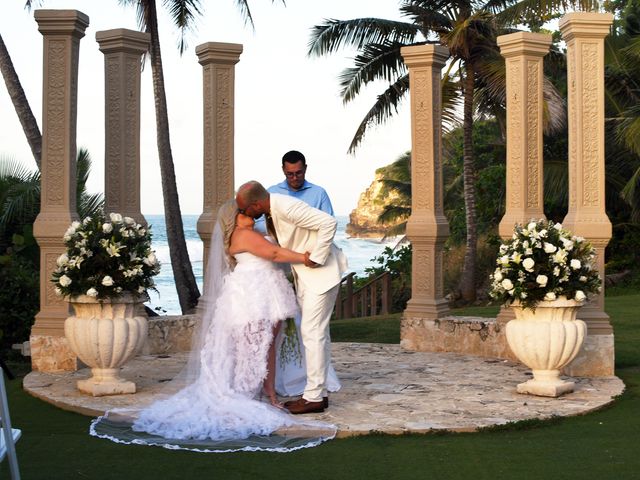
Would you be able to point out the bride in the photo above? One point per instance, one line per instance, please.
(218, 406)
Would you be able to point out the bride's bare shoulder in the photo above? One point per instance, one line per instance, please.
(245, 240)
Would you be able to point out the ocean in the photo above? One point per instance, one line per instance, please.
(359, 252)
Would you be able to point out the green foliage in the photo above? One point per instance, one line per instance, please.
(19, 295)
(396, 261)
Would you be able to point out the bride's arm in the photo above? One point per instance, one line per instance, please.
(253, 242)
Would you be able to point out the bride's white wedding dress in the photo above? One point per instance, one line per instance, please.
(221, 409)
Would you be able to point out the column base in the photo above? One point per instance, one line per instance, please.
(52, 354)
(596, 357)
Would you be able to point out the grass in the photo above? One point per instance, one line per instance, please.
(601, 445)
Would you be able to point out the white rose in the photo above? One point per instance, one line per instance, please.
(543, 232)
(92, 292)
(575, 264)
(62, 260)
(568, 244)
(107, 227)
(70, 231)
(542, 280)
(528, 264)
(497, 275)
(549, 248)
(550, 296)
(580, 296)
(115, 217)
(64, 281)
(506, 284)
(532, 226)
(151, 260)
(107, 281)
(129, 221)
(58, 291)
(582, 278)
(141, 289)
(75, 225)
(558, 226)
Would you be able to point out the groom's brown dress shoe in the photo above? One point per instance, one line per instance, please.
(304, 406)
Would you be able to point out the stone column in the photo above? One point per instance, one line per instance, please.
(427, 227)
(586, 217)
(524, 200)
(218, 76)
(62, 31)
(123, 50)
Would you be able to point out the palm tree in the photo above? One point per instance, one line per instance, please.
(20, 103)
(20, 195)
(469, 31)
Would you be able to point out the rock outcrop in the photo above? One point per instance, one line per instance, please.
(363, 220)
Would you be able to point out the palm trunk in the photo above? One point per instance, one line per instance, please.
(20, 103)
(185, 281)
(467, 282)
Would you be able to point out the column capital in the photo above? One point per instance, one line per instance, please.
(123, 40)
(218, 52)
(585, 25)
(425, 55)
(524, 43)
(61, 22)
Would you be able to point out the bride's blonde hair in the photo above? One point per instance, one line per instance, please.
(227, 220)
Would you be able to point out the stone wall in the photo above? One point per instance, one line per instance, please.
(170, 334)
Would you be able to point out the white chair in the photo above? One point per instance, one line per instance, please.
(8, 436)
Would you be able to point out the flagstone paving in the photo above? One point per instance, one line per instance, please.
(384, 389)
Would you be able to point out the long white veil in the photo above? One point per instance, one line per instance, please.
(206, 407)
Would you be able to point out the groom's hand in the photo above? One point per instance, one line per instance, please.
(308, 262)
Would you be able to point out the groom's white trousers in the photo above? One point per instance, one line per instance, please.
(314, 328)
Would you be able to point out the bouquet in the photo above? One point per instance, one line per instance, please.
(106, 257)
(543, 261)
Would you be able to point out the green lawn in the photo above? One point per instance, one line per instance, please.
(601, 445)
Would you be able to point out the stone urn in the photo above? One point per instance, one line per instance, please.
(105, 334)
(546, 339)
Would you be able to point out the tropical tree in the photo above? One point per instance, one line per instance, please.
(20, 103)
(469, 31)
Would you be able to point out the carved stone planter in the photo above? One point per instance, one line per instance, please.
(546, 340)
(105, 334)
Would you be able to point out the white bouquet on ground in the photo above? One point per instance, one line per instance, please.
(542, 262)
(106, 257)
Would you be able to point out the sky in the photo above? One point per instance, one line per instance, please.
(284, 99)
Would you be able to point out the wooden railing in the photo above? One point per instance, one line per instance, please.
(373, 298)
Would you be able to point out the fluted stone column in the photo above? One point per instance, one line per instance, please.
(123, 50)
(218, 77)
(586, 217)
(62, 31)
(523, 53)
(427, 227)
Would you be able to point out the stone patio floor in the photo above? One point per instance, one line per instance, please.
(384, 389)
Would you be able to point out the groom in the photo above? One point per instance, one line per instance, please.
(297, 226)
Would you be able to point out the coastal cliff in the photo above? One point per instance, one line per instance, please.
(363, 220)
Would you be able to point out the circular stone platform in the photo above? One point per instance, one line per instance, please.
(384, 389)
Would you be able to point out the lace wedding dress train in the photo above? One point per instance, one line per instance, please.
(219, 411)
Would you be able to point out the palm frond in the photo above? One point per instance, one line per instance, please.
(184, 14)
(384, 107)
(375, 62)
(333, 34)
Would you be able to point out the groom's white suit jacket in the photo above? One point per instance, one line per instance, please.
(302, 228)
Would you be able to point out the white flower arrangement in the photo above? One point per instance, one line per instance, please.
(543, 261)
(106, 257)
